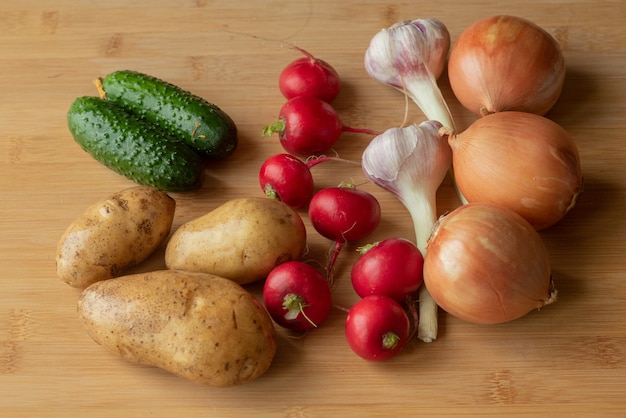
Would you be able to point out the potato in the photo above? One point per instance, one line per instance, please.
(205, 328)
(114, 234)
(241, 240)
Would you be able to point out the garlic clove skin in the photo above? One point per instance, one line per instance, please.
(411, 163)
(410, 56)
(406, 47)
(412, 159)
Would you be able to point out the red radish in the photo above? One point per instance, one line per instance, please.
(309, 76)
(343, 214)
(392, 267)
(297, 296)
(377, 328)
(289, 179)
(308, 126)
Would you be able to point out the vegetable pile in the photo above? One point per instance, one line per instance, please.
(516, 173)
(151, 131)
(307, 123)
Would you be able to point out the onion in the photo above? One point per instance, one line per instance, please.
(523, 161)
(506, 63)
(485, 264)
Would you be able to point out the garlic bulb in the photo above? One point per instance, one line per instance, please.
(411, 163)
(410, 56)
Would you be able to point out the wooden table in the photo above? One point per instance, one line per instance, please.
(567, 360)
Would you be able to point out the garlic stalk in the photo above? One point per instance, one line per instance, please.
(410, 56)
(411, 163)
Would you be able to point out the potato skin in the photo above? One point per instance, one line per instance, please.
(205, 328)
(242, 240)
(114, 234)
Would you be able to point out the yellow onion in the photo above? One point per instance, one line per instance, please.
(525, 162)
(506, 63)
(486, 265)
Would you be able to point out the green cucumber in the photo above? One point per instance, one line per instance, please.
(132, 147)
(200, 124)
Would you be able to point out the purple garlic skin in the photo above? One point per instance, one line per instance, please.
(410, 46)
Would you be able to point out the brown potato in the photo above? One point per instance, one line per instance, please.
(114, 234)
(202, 327)
(241, 240)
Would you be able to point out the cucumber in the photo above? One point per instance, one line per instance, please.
(200, 124)
(131, 147)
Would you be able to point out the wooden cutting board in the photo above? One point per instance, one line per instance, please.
(568, 359)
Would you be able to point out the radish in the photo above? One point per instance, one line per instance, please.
(343, 214)
(377, 328)
(289, 179)
(392, 267)
(309, 76)
(308, 126)
(297, 296)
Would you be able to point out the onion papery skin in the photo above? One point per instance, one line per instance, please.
(523, 161)
(486, 265)
(506, 63)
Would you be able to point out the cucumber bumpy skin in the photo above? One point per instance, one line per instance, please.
(131, 147)
(200, 124)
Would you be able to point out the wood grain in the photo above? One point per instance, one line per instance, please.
(568, 359)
